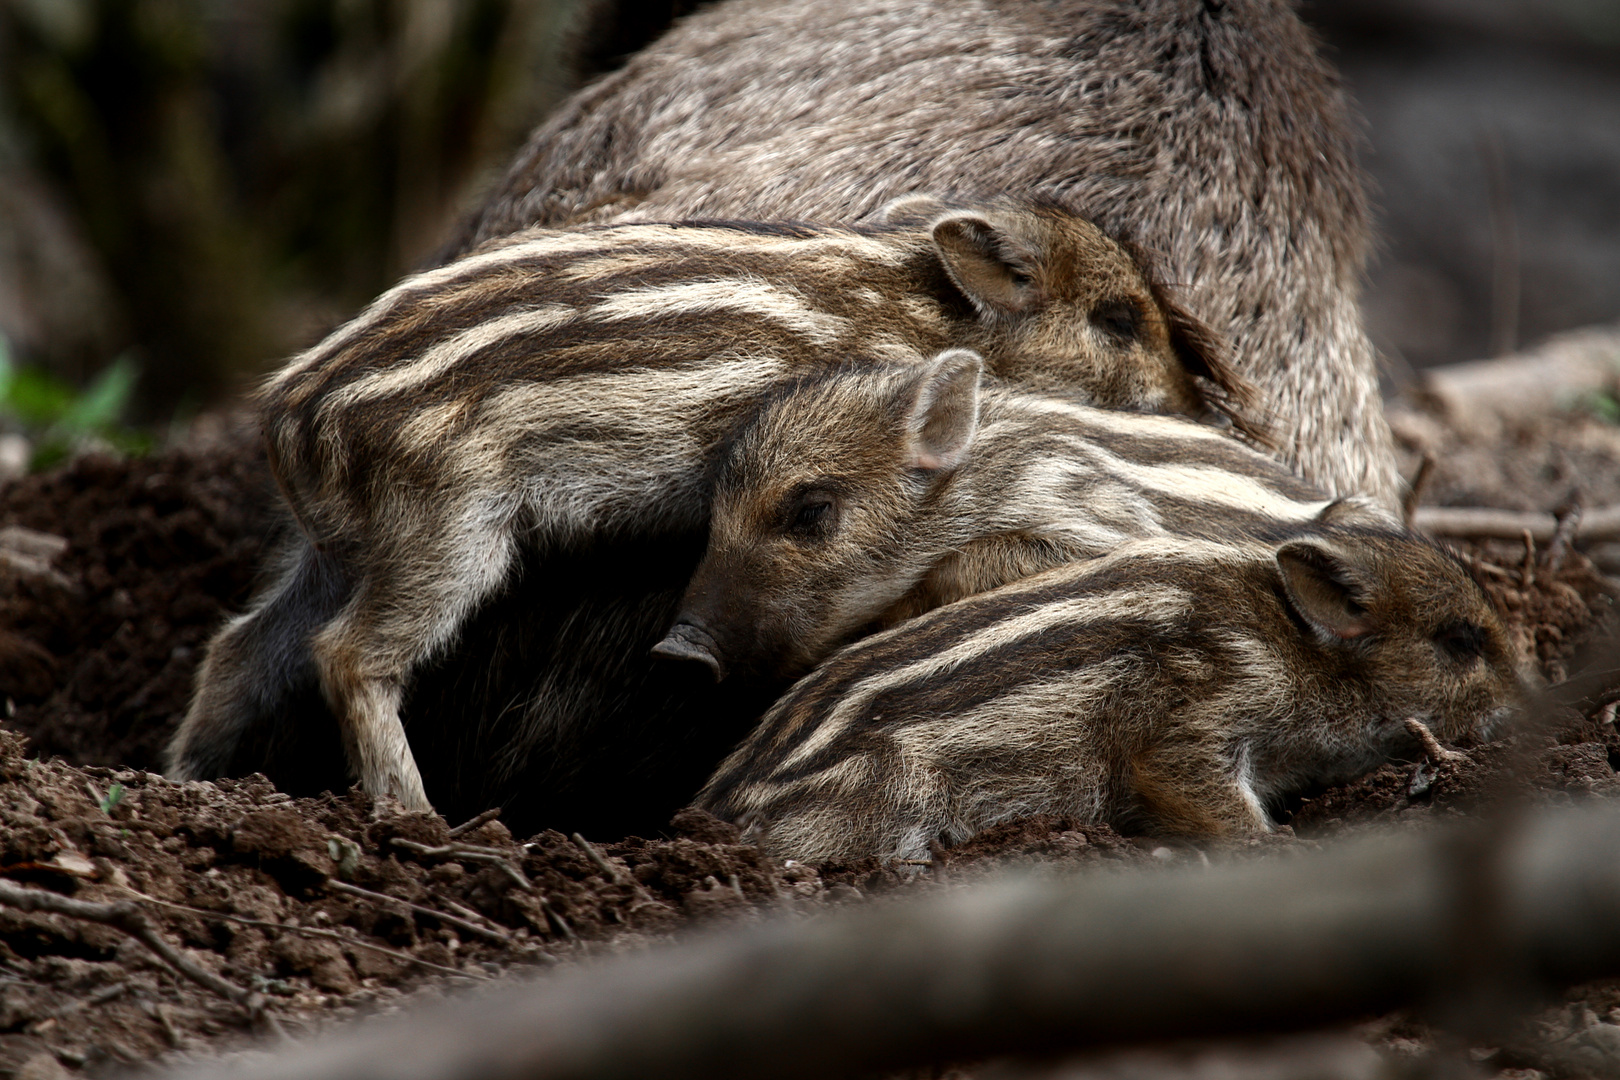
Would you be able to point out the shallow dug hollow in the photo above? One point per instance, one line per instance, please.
(114, 572)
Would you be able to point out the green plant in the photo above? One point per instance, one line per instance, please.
(1602, 405)
(60, 418)
(114, 796)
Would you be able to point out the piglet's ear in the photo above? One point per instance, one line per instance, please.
(944, 410)
(1325, 589)
(994, 269)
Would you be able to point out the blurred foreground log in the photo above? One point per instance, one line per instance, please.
(1463, 921)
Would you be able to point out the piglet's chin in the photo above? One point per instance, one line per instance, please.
(688, 641)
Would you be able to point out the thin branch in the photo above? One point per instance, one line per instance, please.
(481, 820)
(307, 931)
(1415, 490)
(470, 853)
(497, 859)
(130, 919)
(449, 920)
(1482, 523)
(1563, 538)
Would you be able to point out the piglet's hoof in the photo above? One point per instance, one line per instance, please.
(688, 642)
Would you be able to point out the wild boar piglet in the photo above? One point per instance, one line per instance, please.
(1175, 685)
(559, 388)
(857, 498)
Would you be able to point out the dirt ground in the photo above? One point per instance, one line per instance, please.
(114, 572)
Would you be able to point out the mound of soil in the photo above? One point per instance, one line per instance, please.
(114, 572)
(318, 908)
(96, 660)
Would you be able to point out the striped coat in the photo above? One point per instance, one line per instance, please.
(1175, 685)
(558, 389)
(865, 497)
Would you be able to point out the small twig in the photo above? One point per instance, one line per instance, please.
(473, 853)
(478, 822)
(1431, 745)
(470, 853)
(1415, 490)
(308, 931)
(554, 917)
(130, 919)
(160, 1012)
(100, 997)
(1562, 538)
(1484, 523)
(450, 920)
(1527, 571)
(643, 897)
(469, 913)
(601, 864)
(449, 851)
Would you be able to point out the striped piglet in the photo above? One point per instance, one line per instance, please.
(1173, 685)
(564, 388)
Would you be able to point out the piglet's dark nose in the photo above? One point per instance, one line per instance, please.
(688, 641)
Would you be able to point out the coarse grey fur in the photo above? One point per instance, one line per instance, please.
(1212, 132)
(1174, 685)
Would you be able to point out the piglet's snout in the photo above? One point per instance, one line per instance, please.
(689, 641)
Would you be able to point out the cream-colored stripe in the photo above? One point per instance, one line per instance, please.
(1194, 481)
(1155, 603)
(1125, 425)
(745, 296)
(445, 355)
(543, 244)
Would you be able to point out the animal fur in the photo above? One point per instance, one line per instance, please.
(1214, 133)
(858, 499)
(1175, 686)
(560, 389)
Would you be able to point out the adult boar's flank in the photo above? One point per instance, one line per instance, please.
(1212, 132)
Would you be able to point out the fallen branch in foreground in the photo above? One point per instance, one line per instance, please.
(1455, 918)
(1482, 523)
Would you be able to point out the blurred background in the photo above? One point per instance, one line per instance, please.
(192, 189)
(1494, 131)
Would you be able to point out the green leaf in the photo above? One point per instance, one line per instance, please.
(114, 796)
(1601, 405)
(36, 398)
(104, 401)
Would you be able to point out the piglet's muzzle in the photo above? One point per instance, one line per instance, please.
(688, 641)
